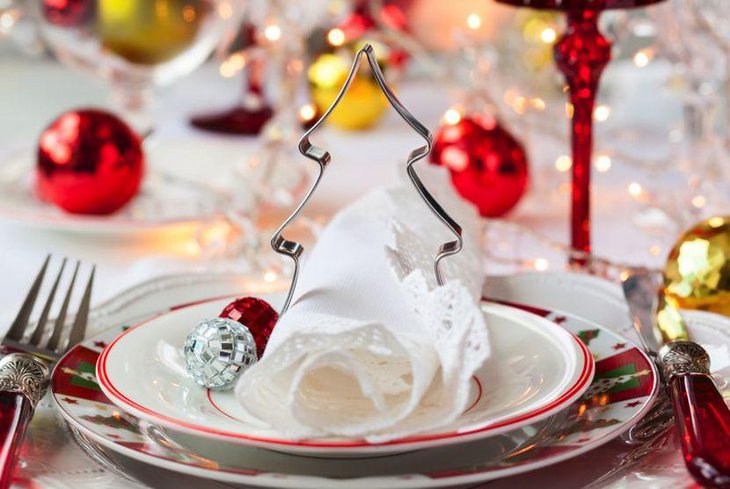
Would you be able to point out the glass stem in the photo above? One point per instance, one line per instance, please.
(581, 54)
(703, 151)
(253, 92)
(133, 103)
(726, 121)
(699, 114)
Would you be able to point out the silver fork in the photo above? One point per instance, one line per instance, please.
(25, 370)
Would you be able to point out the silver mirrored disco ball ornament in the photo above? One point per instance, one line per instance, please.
(217, 351)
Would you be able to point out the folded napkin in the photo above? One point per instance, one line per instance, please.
(371, 347)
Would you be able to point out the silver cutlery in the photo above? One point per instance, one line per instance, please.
(25, 370)
(702, 417)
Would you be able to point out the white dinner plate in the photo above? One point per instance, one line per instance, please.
(536, 369)
(605, 411)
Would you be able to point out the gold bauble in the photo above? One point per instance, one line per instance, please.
(697, 273)
(364, 103)
(539, 33)
(149, 32)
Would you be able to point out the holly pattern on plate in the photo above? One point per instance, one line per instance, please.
(76, 377)
(621, 390)
(114, 421)
(587, 335)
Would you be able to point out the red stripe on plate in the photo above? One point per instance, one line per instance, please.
(584, 378)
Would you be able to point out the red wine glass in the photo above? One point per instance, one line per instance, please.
(581, 54)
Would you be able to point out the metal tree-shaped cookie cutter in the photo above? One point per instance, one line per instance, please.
(294, 249)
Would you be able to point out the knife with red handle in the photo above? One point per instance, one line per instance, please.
(703, 417)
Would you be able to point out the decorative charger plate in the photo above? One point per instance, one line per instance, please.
(536, 369)
(621, 392)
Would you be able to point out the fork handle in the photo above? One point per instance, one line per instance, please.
(704, 428)
(23, 382)
(16, 411)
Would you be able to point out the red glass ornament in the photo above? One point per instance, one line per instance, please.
(257, 315)
(68, 13)
(392, 14)
(89, 162)
(488, 165)
(581, 54)
(704, 428)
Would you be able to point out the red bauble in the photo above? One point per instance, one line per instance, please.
(89, 162)
(392, 14)
(257, 315)
(488, 165)
(68, 13)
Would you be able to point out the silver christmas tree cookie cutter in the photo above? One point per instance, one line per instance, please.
(294, 249)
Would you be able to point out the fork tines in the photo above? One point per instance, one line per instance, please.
(54, 346)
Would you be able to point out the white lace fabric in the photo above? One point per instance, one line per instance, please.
(371, 347)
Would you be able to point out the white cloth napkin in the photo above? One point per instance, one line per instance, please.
(371, 346)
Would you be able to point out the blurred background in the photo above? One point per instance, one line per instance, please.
(189, 156)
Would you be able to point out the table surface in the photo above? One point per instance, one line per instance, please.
(33, 92)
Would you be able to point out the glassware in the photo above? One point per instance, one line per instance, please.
(135, 44)
(688, 43)
(269, 28)
(275, 176)
(17, 26)
(282, 28)
(253, 111)
(714, 17)
(581, 54)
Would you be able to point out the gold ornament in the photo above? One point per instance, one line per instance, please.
(540, 30)
(363, 105)
(149, 32)
(697, 273)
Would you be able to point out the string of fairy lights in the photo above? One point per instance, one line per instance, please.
(541, 32)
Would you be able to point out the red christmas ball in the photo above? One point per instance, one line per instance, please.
(257, 315)
(68, 13)
(89, 162)
(488, 165)
(364, 19)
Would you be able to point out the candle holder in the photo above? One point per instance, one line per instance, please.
(581, 54)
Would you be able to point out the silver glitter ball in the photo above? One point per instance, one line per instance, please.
(217, 351)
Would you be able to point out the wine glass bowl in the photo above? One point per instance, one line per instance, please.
(135, 44)
(579, 4)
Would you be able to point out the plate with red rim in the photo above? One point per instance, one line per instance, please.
(535, 370)
(603, 412)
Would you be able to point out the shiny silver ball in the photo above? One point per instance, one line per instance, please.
(217, 351)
